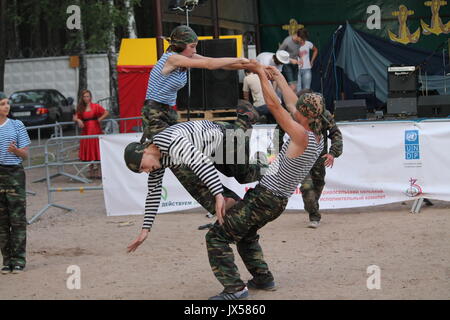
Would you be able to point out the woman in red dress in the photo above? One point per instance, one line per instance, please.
(88, 117)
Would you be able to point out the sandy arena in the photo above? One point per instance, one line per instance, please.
(411, 250)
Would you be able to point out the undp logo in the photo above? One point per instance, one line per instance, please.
(411, 136)
(412, 147)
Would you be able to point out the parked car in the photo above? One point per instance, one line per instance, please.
(41, 106)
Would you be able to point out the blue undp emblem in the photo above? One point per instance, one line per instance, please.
(412, 150)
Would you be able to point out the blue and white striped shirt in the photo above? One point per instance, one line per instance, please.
(163, 88)
(12, 130)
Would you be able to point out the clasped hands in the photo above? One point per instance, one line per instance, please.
(271, 72)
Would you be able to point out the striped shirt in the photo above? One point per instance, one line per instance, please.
(12, 131)
(285, 174)
(163, 88)
(189, 144)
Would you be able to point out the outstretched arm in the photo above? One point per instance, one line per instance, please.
(151, 207)
(282, 117)
(198, 61)
(289, 96)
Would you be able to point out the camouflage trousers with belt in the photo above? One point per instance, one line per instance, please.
(241, 223)
(157, 117)
(13, 221)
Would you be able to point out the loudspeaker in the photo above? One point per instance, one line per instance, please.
(402, 79)
(350, 109)
(406, 105)
(221, 86)
(433, 106)
(197, 97)
(212, 89)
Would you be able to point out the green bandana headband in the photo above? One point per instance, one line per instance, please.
(183, 35)
(3, 96)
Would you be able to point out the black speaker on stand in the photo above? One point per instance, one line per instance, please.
(221, 86)
(402, 90)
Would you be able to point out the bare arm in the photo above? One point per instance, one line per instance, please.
(283, 118)
(198, 61)
(103, 116)
(22, 152)
(78, 121)
(236, 66)
(289, 96)
(314, 55)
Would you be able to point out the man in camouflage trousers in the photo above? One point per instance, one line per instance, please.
(155, 119)
(14, 143)
(313, 184)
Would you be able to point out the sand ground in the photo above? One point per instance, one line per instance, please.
(411, 250)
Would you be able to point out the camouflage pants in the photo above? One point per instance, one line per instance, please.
(157, 117)
(13, 222)
(236, 153)
(311, 189)
(241, 224)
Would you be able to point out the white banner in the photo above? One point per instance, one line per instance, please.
(382, 162)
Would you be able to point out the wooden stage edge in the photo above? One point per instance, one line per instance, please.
(212, 115)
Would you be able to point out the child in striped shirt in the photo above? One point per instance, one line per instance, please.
(14, 142)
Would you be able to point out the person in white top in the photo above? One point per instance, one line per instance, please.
(304, 62)
(276, 60)
(252, 83)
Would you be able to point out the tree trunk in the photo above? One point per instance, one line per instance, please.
(82, 71)
(16, 43)
(36, 41)
(131, 26)
(112, 60)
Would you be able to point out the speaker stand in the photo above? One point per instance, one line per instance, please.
(188, 7)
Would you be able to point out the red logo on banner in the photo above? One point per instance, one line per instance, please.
(414, 189)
